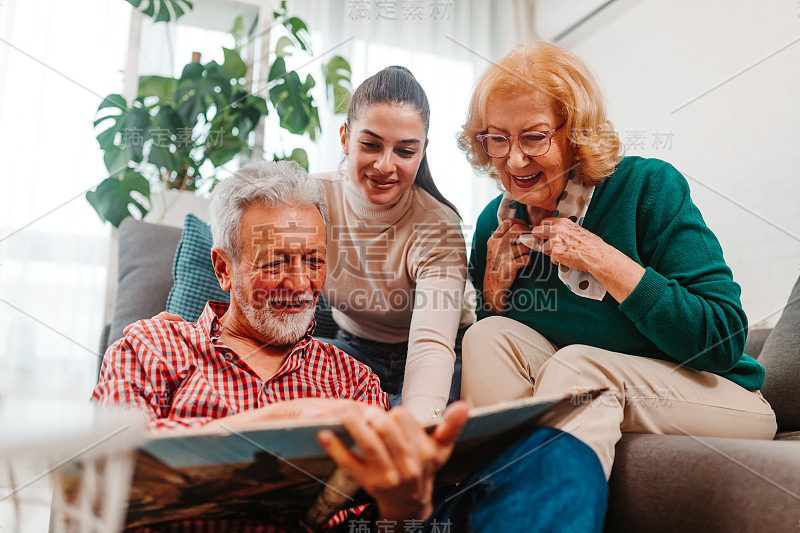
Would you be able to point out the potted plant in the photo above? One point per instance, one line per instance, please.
(179, 132)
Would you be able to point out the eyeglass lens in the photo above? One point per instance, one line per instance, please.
(534, 144)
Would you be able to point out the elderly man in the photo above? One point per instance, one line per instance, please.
(255, 359)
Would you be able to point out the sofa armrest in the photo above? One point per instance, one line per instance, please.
(680, 483)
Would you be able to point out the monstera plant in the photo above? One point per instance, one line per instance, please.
(180, 132)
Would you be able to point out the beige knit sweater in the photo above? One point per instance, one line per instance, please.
(396, 273)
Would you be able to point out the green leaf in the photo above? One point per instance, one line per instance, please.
(313, 122)
(222, 148)
(257, 103)
(238, 27)
(113, 198)
(237, 31)
(113, 100)
(161, 157)
(136, 132)
(233, 64)
(284, 47)
(117, 159)
(246, 115)
(277, 70)
(219, 77)
(179, 11)
(309, 83)
(159, 86)
(168, 118)
(300, 155)
(199, 88)
(117, 116)
(292, 103)
(300, 32)
(191, 71)
(150, 9)
(338, 85)
(106, 138)
(163, 13)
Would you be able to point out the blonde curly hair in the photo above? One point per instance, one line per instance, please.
(560, 74)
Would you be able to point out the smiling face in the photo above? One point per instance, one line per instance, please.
(534, 181)
(276, 283)
(385, 147)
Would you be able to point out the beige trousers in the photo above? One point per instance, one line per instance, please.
(504, 360)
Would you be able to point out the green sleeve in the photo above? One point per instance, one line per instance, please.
(686, 303)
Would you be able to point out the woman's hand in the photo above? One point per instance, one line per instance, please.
(568, 244)
(571, 245)
(163, 315)
(504, 257)
(396, 460)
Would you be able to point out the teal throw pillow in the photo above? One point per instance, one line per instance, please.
(193, 272)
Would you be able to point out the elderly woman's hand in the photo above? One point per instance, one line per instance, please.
(570, 245)
(504, 257)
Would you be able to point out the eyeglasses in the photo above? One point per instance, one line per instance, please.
(532, 143)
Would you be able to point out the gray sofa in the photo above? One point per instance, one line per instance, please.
(659, 483)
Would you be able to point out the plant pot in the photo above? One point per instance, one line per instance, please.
(170, 207)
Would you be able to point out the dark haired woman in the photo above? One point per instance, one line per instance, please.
(396, 254)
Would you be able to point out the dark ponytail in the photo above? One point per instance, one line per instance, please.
(396, 85)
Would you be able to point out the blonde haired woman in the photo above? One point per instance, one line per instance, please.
(597, 270)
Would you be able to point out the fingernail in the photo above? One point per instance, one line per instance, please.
(325, 437)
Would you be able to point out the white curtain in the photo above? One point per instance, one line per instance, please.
(57, 60)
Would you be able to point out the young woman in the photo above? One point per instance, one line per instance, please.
(396, 254)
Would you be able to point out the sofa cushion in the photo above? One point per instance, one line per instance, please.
(195, 282)
(781, 359)
(144, 272)
(755, 341)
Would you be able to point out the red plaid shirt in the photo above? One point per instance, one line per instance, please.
(182, 374)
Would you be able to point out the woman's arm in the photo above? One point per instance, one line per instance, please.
(686, 302)
(682, 295)
(440, 274)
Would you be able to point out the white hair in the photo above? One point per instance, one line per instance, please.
(273, 184)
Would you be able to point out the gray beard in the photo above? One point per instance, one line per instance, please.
(277, 329)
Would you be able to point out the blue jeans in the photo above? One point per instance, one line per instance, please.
(388, 361)
(548, 481)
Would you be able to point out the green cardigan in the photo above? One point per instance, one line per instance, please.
(686, 308)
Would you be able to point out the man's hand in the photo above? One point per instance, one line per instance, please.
(397, 459)
(291, 409)
(163, 315)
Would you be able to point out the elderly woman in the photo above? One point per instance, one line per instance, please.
(597, 270)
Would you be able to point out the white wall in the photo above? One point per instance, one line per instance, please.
(717, 79)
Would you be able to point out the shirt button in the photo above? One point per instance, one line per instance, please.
(436, 413)
(228, 355)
